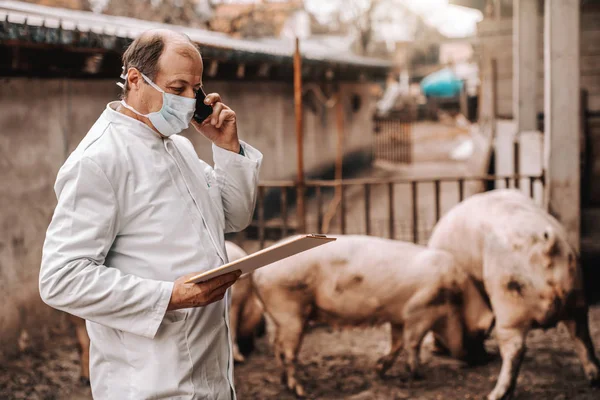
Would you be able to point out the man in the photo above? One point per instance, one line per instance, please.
(138, 212)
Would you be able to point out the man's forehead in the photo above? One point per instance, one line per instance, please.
(181, 62)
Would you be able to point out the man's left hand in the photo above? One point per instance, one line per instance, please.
(220, 127)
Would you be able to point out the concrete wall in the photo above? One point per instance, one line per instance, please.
(42, 121)
(496, 43)
(266, 120)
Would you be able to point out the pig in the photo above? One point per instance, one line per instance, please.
(361, 280)
(245, 317)
(246, 311)
(83, 341)
(519, 257)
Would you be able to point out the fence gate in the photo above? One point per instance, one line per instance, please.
(392, 139)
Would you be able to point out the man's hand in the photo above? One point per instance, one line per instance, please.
(220, 127)
(188, 295)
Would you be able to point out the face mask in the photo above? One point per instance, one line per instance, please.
(175, 114)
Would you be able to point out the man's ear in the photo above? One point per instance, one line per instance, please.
(134, 79)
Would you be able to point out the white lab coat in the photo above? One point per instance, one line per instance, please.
(134, 213)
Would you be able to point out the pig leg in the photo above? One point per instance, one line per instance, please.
(287, 315)
(386, 362)
(419, 318)
(512, 350)
(289, 337)
(84, 347)
(413, 337)
(234, 316)
(580, 332)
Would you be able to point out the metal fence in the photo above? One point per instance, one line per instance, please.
(392, 139)
(374, 201)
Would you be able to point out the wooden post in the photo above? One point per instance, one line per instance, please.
(561, 114)
(301, 213)
(525, 71)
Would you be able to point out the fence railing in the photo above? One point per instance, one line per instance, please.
(393, 140)
(367, 203)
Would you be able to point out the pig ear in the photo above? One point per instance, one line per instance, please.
(549, 240)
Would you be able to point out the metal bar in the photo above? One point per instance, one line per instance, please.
(391, 227)
(261, 217)
(284, 229)
(410, 141)
(299, 136)
(415, 219)
(319, 209)
(342, 209)
(531, 187)
(437, 200)
(300, 214)
(516, 162)
(339, 159)
(368, 208)
(382, 181)
(461, 189)
(494, 97)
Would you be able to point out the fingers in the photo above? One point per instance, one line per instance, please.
(214, 117)
(212, 98)
(218, 286)
(218, 294)
(220, 111)
(224, 116)
(223, 280)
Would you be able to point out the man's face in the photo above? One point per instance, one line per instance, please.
(179, 73)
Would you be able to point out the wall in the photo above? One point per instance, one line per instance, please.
(266, 120)
(496, 43)
(42, 121)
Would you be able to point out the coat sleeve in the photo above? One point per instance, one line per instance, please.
(237, 177)
(74, 277)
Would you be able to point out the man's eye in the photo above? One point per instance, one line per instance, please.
(177, 89)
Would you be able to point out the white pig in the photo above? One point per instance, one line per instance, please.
(362, 280)
(519, 256)
(246, 312)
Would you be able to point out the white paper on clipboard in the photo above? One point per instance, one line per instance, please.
(265, 257)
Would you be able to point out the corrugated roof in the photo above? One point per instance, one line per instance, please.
(41, 24)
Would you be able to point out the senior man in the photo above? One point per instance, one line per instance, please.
(138, 212)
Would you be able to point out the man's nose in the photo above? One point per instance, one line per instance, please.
(189, 92)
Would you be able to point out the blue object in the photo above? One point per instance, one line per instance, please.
(442, 83)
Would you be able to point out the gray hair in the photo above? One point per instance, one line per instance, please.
(143, 54)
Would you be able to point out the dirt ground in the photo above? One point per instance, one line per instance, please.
(340, 365)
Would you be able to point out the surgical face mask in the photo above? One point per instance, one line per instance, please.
(175, 114)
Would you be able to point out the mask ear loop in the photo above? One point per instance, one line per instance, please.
(124, 77)
(154, 85)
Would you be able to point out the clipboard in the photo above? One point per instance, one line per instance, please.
(265, 257)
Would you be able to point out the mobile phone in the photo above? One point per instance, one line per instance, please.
(203, 110)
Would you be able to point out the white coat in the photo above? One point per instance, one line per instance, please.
(135, 212)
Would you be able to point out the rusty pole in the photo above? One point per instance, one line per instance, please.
(339, 159)
(301, 216)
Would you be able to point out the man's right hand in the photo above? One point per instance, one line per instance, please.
(188, 295)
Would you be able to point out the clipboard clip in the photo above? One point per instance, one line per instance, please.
(317, 235)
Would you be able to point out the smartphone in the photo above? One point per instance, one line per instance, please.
(203, 110)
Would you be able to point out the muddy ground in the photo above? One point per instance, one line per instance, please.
(339, 365)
